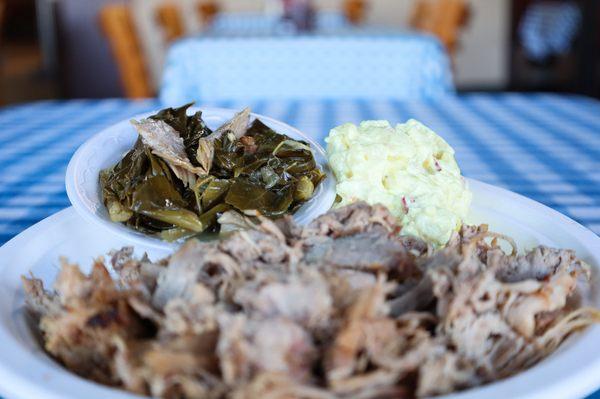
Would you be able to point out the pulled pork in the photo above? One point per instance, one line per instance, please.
(342, 308)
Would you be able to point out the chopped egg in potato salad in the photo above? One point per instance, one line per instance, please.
(409, 169)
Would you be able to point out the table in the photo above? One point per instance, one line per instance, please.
(253, 24)
(357, 64)
(544, 146)
(243, 24)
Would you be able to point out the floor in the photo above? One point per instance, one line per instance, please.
(22, 78)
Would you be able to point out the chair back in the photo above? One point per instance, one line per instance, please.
(207, 11)
(405, 66)
(169, 18)
(117, 24)
(355, 10)
(443, 18)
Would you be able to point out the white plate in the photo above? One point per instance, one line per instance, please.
(26, 372)
(110, 145)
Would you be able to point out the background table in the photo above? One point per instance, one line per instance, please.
(252, 24)
(244, 24)
(545, 147)
(394, 65)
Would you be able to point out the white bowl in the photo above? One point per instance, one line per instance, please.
(110, 145)
(27, 372)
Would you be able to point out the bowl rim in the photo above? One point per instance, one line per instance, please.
(320, 203)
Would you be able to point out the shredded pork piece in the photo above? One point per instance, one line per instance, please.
(237, 127)
(248, 347)
(342, 308)
(350, 220)
(168, 144)
(305, 301)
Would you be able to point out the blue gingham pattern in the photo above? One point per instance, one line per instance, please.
(548, 28)
(546, 147)
(244, 24)
(399, 66)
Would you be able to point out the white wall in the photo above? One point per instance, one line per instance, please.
(241, 5)
(483, 59)
(390, 12)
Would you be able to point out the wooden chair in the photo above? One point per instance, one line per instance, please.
(355, 10)
(169, 18)
(117, 24)
(443, 18)
(207, 10)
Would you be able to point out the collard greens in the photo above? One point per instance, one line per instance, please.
(180, 176)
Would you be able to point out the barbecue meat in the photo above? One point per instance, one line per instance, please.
(342, 308)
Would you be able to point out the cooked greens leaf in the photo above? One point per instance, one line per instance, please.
(268, 177)
(175, 234)
(198, 190)
(214, 192)
(245, 195)
(118, 182)
(156, 198)
(117, 212)
(288, 147)
(266, 139)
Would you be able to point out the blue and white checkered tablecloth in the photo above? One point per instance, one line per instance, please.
(401, 65)
(244, 24)
(253, 24)
(546, 147)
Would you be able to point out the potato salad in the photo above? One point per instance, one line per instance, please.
(408, 168)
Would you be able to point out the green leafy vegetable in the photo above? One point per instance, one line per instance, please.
(157, 198)
(215, 192)
(250, 168)
(246, 195)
